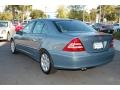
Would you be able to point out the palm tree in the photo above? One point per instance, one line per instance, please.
(25, 9)
(13, 9)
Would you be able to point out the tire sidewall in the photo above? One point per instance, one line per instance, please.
(50, 59)
(8, 36)
(12, 41)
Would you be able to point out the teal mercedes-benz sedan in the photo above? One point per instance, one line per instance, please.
(63, 44)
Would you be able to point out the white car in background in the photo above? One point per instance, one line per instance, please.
(116, 27)
(7, 30)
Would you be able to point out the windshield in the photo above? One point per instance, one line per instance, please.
(3, 24)
(116, 24)
(72, 25)
(99, 24)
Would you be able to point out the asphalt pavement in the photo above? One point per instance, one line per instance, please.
(20, 69)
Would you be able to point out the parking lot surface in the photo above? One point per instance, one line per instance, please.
(21, 69)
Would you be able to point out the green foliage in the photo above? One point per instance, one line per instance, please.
(116, 35)
(93, 14)
(108, 12)
(18, 10)
(77, 12)
(6, 16)
(37, 14)
(61, 12)
(21, 8)
(86, 16)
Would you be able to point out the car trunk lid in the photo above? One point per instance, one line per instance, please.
(93, 41)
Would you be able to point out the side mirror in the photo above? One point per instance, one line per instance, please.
(19, 32)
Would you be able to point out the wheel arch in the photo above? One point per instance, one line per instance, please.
(53, 70)
(11, 39)
(43, 50)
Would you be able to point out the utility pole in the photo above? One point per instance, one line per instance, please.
(118, 11)
(23, 13)
(100, 15)
(83, 13)
(13, 12)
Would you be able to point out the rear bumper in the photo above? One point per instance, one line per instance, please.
(65, 60)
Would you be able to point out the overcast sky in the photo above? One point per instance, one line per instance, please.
(53, 8)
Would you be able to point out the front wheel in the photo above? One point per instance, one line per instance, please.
(13, 47)
(46, 63)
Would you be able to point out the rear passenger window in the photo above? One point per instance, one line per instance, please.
(38, 27)
(45, 29)
(28, 27)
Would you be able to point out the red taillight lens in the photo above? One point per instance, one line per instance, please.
(74, 45)
(111, 44)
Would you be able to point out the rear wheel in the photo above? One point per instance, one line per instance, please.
(46, 63)
(13, 47)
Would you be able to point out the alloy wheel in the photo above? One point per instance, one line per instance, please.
(12, 46)
(45, 62)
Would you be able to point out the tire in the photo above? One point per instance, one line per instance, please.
(46, 63)
(13, 47)
(8, 36)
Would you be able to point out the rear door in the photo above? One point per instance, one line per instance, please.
(38, 36)
(24, 40)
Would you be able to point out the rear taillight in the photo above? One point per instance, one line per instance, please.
(111, 43)
(74, 45)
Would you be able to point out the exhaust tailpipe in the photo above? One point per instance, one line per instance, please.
(83, 69)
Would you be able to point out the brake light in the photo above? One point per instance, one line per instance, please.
(74, 45)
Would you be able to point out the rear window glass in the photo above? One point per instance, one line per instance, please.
(72, 25)
(99, 24)
(3, 24)
(116, 24)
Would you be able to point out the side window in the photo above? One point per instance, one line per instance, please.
(45, 29)
(28, 28)
(38, 27)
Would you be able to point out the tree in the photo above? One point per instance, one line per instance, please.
(78, 12)
(6, 16)
(24, 9)
(61, 12)
(86, 16)
(93, 14)
(108, 12)
(117, 8)
(13, 9)
(18, 9)
(37, 14)
(75, 12)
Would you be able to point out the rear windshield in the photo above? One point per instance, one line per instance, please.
(72, 25)
(3, 24)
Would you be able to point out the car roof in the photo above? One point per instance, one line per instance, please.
(57, 19)
(4, 21)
